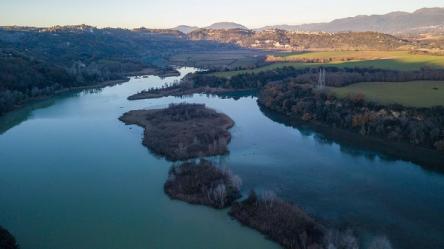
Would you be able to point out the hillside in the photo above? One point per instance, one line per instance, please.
(280, 39)
(422, 20)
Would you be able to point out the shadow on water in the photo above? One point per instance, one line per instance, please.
(16, 117)
(357, 145)
(238, 95)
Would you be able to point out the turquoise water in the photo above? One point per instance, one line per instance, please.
(73, 176)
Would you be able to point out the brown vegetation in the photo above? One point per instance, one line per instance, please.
(183, 131)
(177, 91)
(202, 183)
(282, 222)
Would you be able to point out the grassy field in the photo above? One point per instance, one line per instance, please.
(414, 93)
(214, 59)
(394, 60)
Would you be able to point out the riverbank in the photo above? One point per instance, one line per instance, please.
(180, 92)
(183, 131)
(65, 90)
(160, 72)
(418, 127)
(427, 158)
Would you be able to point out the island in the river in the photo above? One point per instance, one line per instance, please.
(178, 92)
(280, 221)
(183, 131)
(203, 183)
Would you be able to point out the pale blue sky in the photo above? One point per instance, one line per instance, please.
(169, 13)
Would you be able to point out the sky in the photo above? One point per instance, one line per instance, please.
(170, 13)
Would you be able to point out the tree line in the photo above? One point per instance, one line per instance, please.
(334, 77)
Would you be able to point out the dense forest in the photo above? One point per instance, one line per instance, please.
(281, 39)
(22, 77)
(417, 126)
(336, 77)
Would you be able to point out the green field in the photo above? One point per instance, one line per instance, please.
(393, 60)
(214, 59)
(413, 93)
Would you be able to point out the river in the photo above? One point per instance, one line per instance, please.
(72, 176)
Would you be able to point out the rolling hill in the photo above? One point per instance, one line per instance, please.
(225, 26)
(285, 40)
(185, 28)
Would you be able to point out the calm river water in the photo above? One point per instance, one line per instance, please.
(72, 176)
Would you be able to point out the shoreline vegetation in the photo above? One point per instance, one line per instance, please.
(65, 90)
(185, 87)
(421, 127)
(292, 228)
(7, 240)
(280, 221)
(426, 158)
(179, 92)
(160, 72)
(183, 131)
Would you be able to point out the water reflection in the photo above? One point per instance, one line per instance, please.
(359, 146)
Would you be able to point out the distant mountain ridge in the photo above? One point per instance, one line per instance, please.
(185, 28)
(425, 19)
(215, 26)
(226, 25)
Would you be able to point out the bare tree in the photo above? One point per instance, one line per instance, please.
(268, 197)
(219, 194)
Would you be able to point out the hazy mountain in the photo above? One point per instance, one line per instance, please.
(395, 22)
(226, 25)
(185, 28)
